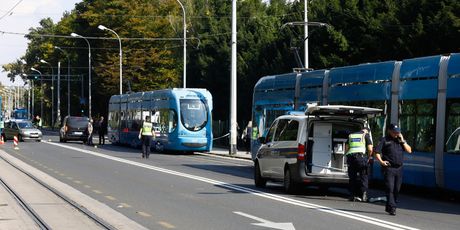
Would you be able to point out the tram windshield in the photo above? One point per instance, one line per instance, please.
(193, 114)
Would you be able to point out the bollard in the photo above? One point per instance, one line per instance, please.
(1, 140)
(15, 143)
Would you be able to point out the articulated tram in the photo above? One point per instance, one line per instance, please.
(181, 119)
(420, 94)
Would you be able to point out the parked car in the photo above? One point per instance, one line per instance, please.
(309, 148)
(74, 129)
(23, 129)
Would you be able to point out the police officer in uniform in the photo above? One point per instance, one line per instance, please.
(358, 152)
(389, 152)
(145, 134)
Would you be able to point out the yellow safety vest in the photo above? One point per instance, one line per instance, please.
(147, 128)
(356, 143)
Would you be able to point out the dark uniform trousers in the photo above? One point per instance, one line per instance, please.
(358, 174)
(393, 179)
(146, 140)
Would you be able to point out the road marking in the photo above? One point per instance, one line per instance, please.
(87, 186)
(267, 223)
(280, 198)
(124, 205)
(77, 182)
(144, 214)
(61, 174)
(70, 178)
(97, 191)
(110, 198)
(166, 225)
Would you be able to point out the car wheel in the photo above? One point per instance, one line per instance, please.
(259, 181)
(289, 185)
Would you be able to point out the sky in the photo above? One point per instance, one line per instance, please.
(25, 15)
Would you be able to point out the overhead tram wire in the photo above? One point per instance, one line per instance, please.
(11, 10)
(101, 38)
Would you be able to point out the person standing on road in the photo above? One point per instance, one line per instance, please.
(389, 152)
(358, 152)
(146, 134)
(90, 130)
(101, 130)
(39, 122)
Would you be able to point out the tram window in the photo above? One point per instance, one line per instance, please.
(452, 122)
(418, 124)
(272, 115)
(453, 142)
(172, 121)
(136, 120)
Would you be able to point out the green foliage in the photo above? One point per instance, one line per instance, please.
(361, 31)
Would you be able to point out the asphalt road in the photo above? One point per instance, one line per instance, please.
(206, 192)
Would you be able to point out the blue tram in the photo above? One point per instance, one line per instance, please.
(421, 94)
(181, 118)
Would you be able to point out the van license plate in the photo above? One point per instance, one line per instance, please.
(78, 133)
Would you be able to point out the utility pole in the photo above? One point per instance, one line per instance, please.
(59, 94)
(233, 121)
(306, 34)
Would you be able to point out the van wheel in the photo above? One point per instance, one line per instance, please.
(259, 181)
(289, 185)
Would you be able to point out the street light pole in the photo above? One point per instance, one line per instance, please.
(41, 89)
(52, 91)
(185, 43)
(101, 27)
(89, 71)
(68, 78)
(233, 121)
(305, 27)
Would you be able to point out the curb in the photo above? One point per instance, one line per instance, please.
(227, 156)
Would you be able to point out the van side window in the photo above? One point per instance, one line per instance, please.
(271, 132)
(289, 132)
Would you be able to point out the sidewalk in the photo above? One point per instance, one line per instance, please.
(225, 153)
(55, 212)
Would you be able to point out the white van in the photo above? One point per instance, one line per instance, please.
(309, 148)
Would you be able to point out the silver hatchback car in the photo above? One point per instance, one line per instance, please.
(23, 129)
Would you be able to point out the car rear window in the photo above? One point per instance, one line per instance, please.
(78, 121)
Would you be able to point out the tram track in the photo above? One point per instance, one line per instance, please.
(41, 223)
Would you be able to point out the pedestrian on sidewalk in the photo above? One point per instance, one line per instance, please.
(389, 152)
(146, 133)
(101, 130)
(90, 130)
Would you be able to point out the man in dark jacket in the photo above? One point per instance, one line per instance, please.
(389, 153)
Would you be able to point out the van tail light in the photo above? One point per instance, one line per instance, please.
(66, 128)
(301, 152)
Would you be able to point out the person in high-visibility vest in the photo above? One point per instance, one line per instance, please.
(359, 153)
(146, 134)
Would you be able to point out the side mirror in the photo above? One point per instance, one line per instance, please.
(262, 140)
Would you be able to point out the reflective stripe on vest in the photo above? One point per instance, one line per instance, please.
(356, 143)
(147, 128)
